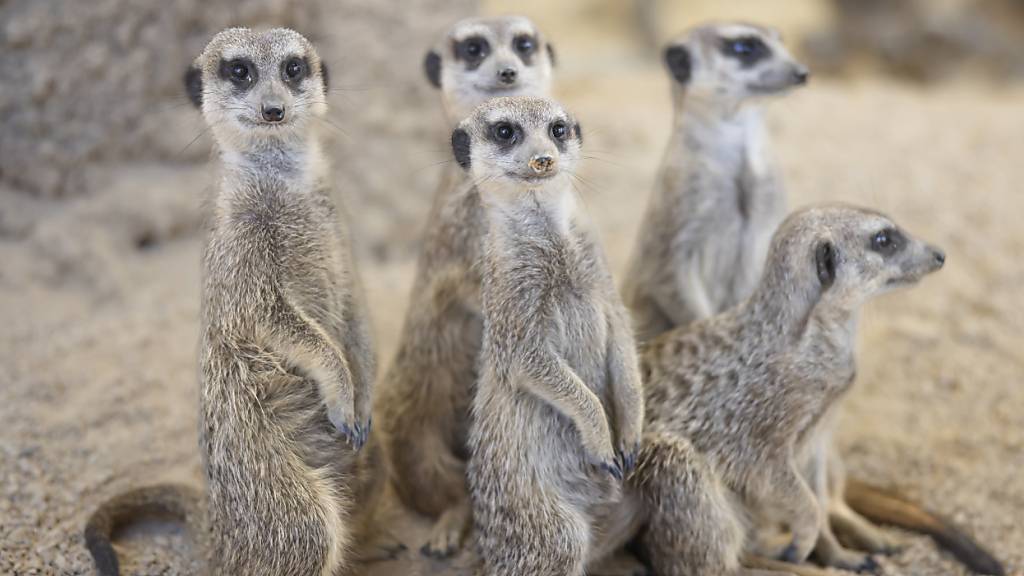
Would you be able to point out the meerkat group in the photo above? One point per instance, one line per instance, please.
(528, 405)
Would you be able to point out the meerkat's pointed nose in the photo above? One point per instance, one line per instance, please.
(940, 257)
(542, 164)
(508, 75)
(801, 75)
(273, 112)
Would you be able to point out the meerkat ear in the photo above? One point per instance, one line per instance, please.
(432, 66)
(579, 132)
(679, 62)
(551, 55)
(325, 76)
(460, 147)
(825, 257)
(194, 85)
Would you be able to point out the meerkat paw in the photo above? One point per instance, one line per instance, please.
(344, 421)
(446, 537)
(385, 547)
(854, 562)
(794, 553)
(626, 456)
(613, 467)
(604, 458)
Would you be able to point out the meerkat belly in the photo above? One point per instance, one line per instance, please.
(521, 432)
(581, 332)
(721, 260)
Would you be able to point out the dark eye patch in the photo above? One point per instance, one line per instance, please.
(505, 134)
(525, 46)
(888, 241)
(749, 50)
(293, 71)
(473, 51)
(241, 72)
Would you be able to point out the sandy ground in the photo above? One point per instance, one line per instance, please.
(99, 305)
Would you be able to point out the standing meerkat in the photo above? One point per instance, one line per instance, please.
(718, 198)
(425, 395)
(558, 408)
(735, 402)
(286, 361)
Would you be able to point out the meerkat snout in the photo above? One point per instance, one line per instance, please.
(508, 75)
(542, 164)
(273, 112)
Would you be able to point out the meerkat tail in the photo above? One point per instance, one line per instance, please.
(762, 563)
(175, 501)
(886, 507)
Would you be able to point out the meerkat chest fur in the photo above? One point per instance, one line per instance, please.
(547, 257)
(275, 220)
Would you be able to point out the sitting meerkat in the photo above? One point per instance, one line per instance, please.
(425, 394)
(735, 402)
(286, 360)
(718, 197)
(558, 407)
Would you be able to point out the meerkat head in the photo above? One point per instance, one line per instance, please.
(732, 62)
(846, 255)
(480, 58)
(253, 86)
(518, 146)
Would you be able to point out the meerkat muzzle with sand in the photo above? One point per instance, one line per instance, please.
(734, 402)
(426, 393)
(286, 360)
(718, 198)
(558, 407)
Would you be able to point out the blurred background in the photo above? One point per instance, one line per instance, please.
(916, 108)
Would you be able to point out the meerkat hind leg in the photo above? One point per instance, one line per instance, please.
(449, 531)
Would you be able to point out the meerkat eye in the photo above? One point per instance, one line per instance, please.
(524, 44)
(748, 49)
(887, 241)
(294, 69)
(239, 71)
(559, 130)
(504, 132)
(474, 48)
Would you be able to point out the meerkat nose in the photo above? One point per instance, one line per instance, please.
(801, 75)
(940, 257)
(542, 164)
(273, 113)
(508, 75)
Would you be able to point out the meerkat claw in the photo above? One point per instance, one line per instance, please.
(790, 555)
(869, 566)
(613, 468)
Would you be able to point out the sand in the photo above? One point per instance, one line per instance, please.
(99, 305)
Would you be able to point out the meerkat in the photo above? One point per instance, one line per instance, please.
(735, 402)
(425, 394)
(286, 359)
(558, 408)
(718, 196)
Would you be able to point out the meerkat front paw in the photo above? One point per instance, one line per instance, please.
(344, 421)
(626, 455)
(605, 458)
